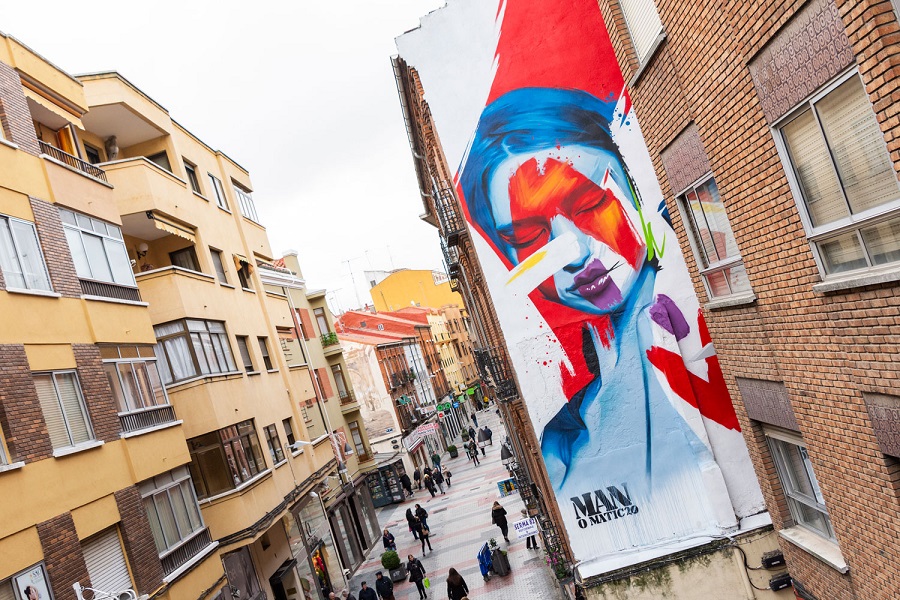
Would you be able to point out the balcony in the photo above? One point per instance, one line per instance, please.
(493, 366)
(347, 397)
(452, 224)
(89, 287)
(182, 554)
(145, 419)
(73, 161)
(329, 339)
(142, 186)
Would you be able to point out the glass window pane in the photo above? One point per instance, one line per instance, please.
(96, 256)
(130, 389)
(73, 409)
(155, 526)
(226, 350)
(842, 253)
(191, 503)
(79, 255)
(162, 363)
(210, 352)
(67, 216)
(166, 519)
(812, 163)
(30, 257)
(220, 353)
(140, 373)
(200, 353)
(812, 518)
(216, 472)
(157, 391)
(168, 328)
(179, 355)
(215, 327)
(9, 259)
(219, 266)
(119, 262)
(182, 519)
(858, 147)
(53, 415)
(717, 283)
(112, 375)
(195, 325)
(720, 229)
(245, 353)
(701, 229)
(883, 242)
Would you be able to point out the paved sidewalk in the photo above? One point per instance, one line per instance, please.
(460, 523)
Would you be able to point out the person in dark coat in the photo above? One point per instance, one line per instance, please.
(406, 483)
(482, 440)
(388, 540)
(439, 480)
(421, 515)
(429, 484)
(424, 534)
(384, 587)
(472, 450)
(498, 518)
(367, 593)
(417, 575)
(418, 477)
(456, 586)
(475, 419)
(471, 432)
(436, 460)
(531, 542)
(410, 519)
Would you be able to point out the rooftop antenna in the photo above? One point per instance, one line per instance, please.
(353, 279)
(390, 257)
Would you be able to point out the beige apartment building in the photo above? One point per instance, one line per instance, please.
(198, 464)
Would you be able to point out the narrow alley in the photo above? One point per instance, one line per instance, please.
(460, 522)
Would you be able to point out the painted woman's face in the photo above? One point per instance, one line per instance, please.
(583, 191)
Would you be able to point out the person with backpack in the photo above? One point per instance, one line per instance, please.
(456, 585)
(498, 518)
(417, 575)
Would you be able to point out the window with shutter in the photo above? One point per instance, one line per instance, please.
(6, 590)
(643, 25)
(845, 177)
(106, 563)
(63, 407)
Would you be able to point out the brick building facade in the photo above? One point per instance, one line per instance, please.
(780, 119)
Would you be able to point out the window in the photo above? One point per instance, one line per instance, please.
(714, 245)
(172, 509)
(381, 327)
(357, 438)
(643, 23)
(221, 201)
(92, 154)
(245, 353)
(290, 347)
(191, 347)
(322, 321)
(97, 249)
(305, 413)
(186, 258)
(244, 275)
(191, 172)
(21, 259)
(264, 350)
(289, 431)
(340, 382)
(133, 377)
(63, 406)
(161, 159)
(799, 483)
(224, 459)
(274, 444)
(219, 265)
(248, 208)
(846, 179)
(362, 324)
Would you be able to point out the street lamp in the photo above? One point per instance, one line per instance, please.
(344, 572)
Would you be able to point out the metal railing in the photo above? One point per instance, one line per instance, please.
(495, 370)
(347, 397)
(147, 418)
(89, 287)
(452, 225)
(186, 551)
(72, 161)
(329, 339)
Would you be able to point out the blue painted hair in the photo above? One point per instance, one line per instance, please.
(530, 120)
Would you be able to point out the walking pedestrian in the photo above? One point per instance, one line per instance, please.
(447, 475)
(436, 460)
(418, 478)
(531, 542)
(410, 519)
(471, 432)
(417, 575)
(456, 586)
(347, 595)
(384, 586)
(482, 440)
(424, 533)
(388, 540)
(439, 480)
(498, 518)
(421, 515)
(475, 419)
(472, 451)
(429, 484)
(406, 483)
(366, 593)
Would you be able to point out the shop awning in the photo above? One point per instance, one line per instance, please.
(53, 107)
(170, 226)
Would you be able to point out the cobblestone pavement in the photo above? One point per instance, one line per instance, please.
(460, 522)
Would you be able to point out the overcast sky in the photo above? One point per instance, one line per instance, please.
(299, 93)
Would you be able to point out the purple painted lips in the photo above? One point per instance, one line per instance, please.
(595, 285)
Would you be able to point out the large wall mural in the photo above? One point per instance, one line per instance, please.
(596, 303)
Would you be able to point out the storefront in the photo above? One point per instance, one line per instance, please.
(353, 521)
(384, 484)
(316, 570)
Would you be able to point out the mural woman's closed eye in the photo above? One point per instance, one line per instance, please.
(522, 234)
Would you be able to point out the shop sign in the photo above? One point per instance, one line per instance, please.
(507, 487)
(526, 527)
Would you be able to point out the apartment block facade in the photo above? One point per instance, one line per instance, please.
(774, 135)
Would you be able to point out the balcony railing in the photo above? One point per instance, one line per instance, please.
(186, 551)
(72, 161)
(329, 339)
(495, 370)
(347, 397)
(452, 225)
(147, 418)
(89, 287)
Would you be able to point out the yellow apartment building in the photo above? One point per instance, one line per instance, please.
(449, 329)
(398, 289)
(166, 407)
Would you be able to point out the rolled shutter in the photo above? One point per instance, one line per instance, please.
(643, 24)
(6, 591)
(106, 563)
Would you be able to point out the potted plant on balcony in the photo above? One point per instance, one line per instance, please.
(454, 452)
(390, 560)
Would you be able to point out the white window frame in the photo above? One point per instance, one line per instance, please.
(644, 49)
(245, 201)
(81, 403)
(18, 255)
(785, 479)
(107, 240)
(150, 489)
(219, 192)
(687, 218)
(854, 222)
(192, 338)
(150, 362)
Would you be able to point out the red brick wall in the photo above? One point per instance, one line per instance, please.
(14, 113)
(138, 541)
(20, 411)
(56, 249)
(97, 393)
(62, 555)
(827, 348)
